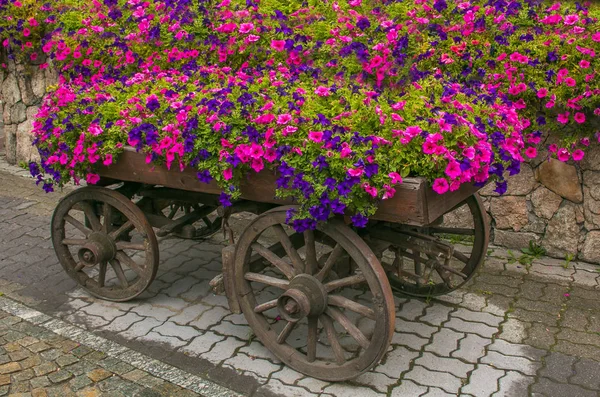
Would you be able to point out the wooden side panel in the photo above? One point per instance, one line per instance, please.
(408, 205)
(439, 204)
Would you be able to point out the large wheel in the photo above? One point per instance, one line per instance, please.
(437, 259)
(105, 243)
(320, 301)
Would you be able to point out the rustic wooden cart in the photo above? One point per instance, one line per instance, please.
(321, 301)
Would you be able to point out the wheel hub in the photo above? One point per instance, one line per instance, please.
(98, 249)
(305, 296)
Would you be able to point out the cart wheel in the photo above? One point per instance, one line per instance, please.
(116, 257)
(324, 326)
(197, 229)
(441, 258)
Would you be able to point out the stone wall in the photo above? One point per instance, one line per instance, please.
(555, 204)
(22, 88)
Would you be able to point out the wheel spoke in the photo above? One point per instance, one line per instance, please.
(349, 304)
(268, 280)
(115, 234)
(344, 282)
(126, 245)
(78, 267)
(445, 277)
(287, 330)
(74, 241)
(310, 251)
(460, 256)
(119, 272)
(275, 260)
(78, 225)
(334, 255)
(265, 306)
(311, 345)
(102, 274)
(107, 214)
(451, 230)
(418, 268)
(130, 263)
(291, 252)
(91, 216)
(333, 340)
(345, 322)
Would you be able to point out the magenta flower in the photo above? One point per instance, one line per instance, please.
(578, 155)
(563, 118)
(580, 117)
(440, 185)
(531, 152)
(315, 136)
(92, 179)
(453, 169)
(563, 155)
(355, 171)
(284, 118)
(246, 28)
(278, 45)
(396, 178)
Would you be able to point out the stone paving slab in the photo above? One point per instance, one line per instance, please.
(514, 330)
(44, 357)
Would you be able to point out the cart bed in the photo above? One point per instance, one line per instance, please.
(415, 203)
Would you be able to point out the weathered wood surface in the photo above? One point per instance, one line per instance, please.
(415, 203)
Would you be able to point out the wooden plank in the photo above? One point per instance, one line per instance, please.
(439, 204)
(415, 203)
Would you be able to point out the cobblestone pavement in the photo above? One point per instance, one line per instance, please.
(514, 331)
(37, 362)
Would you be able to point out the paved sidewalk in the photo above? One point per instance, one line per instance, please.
(39, 357)
(515, 330)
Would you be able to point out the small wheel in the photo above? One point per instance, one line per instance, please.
(422, 267)
(198, 229)
(289, 290)
(116, 256)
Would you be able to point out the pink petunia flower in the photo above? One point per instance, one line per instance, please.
(584, 64)
(246, 27)
(571, 19)
(578, 155)
(580, 117)
(563, 118)
(531, 152)
(570, 82)
(95, 129)
(542, 93)
(563, 155)
(315, 136)
(322, 91)
(284, 118)
(108, 159)
(228, 174)
(440, 186)
(355, 171)
(396, 178)
(278, 45)
(371, 190)
(92, 179)
(453, 169)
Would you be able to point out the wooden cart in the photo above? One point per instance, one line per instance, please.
(321, 301)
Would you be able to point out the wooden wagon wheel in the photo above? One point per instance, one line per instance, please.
(326, 327)
(116, 257)
(437, 259)
(196, 228)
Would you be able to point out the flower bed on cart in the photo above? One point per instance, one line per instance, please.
(341, 99)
